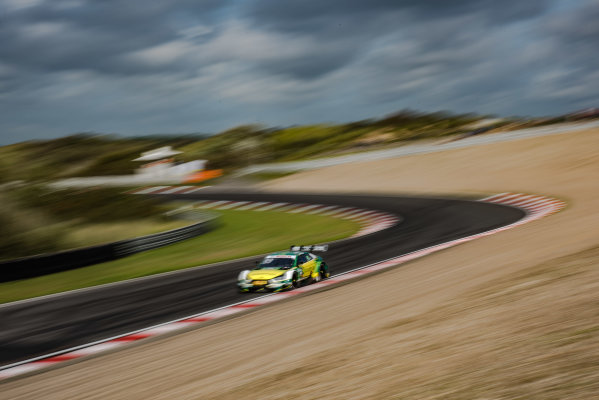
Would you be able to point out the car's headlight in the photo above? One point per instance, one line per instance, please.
(243, 276)
(278, 279)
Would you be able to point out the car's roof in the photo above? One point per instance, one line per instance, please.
(286, 253)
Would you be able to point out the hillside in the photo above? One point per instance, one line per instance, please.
(78, 155)
(85, 154)
(92, 154)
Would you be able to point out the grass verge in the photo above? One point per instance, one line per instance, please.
(92, 234)
(36, 219)
(242, 234)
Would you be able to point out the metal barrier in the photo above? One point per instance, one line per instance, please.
(44, 264)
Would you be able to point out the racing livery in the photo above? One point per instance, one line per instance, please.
(285, 270)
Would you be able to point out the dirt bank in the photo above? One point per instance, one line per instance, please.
(510, 316)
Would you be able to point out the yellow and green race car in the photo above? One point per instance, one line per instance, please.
(285, 270)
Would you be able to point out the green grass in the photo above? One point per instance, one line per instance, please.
(242, 233)
(100, 233)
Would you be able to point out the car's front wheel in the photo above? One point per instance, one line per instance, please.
(295, 282)
(324, 272)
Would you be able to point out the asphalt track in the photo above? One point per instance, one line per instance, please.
(50, 324)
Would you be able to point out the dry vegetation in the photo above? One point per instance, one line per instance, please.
(90, 154)
(38, 220)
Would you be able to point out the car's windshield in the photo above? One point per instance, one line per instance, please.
(276, 263)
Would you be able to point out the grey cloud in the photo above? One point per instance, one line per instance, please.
(578, 29)
(137, 66)
(571, 73)
(310, 65)
(310, 15)
(96, 34)
(352, 27)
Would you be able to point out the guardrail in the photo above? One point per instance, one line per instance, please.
(44, 264)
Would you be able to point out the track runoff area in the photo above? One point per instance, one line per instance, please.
(58, 329)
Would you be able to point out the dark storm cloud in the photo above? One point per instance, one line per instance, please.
(352, 26)
(316, 15)
(164, 65)
(66, 35)
(579, 29)
(101, 35)
(573, 65)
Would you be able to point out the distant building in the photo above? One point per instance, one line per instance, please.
(163, 165)
(160, 167)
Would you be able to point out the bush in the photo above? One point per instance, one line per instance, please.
(36, 220)
(290, 140)
(88, 205)
(26, 232)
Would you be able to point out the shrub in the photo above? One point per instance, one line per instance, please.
(88, 205)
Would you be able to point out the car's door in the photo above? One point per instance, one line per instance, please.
(310, 263)
(302, 263)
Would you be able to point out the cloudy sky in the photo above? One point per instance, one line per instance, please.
(154, 66)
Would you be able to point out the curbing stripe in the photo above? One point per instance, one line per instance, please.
(322, 210)
(272, 206)
(175, 189)
(230, 205)
(252, 205)
(197, 189)
(305, 208)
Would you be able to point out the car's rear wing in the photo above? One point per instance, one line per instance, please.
(310, 247)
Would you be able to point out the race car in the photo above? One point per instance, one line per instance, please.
(285, 270)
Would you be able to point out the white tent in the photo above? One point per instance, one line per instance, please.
(157, 154)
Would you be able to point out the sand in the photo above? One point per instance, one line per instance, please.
(509, 316)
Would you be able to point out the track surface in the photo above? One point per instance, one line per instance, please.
(45, 325)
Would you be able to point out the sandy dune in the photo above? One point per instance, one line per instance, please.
(510, 316)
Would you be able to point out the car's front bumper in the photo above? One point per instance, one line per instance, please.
(246, 286)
